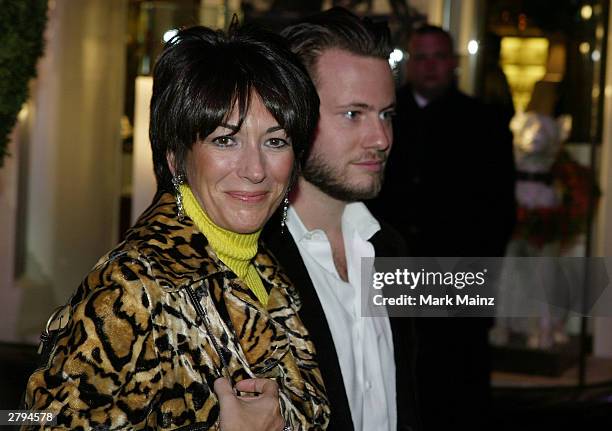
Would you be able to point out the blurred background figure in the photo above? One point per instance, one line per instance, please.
(452, 172)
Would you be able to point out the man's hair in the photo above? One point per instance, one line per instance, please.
(428, 29)
(202, 75)
(337, 28)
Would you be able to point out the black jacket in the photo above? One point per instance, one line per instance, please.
(449, 189)
(451, 171)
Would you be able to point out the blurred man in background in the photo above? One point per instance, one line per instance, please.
(452, 173)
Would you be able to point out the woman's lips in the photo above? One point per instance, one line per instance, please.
(249, 197)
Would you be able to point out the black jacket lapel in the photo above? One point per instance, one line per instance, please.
(388, 242)
(285, 250)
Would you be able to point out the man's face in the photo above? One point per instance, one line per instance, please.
(431, 65)
(354, 133)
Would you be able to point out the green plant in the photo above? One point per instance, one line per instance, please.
(21, 44)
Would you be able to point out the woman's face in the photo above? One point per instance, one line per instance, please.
(241, 178)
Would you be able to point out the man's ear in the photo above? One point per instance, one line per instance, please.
(171, 163)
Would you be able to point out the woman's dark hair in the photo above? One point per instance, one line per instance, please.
(202, 74)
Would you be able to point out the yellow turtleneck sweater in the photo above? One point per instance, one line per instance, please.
(236, 250)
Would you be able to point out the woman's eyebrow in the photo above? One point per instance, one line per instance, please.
(235, 128)
(231, 127)
(274, 129)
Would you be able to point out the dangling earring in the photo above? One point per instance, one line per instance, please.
(285, 208)
(177, 180)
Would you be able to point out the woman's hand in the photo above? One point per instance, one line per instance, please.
(259, 411)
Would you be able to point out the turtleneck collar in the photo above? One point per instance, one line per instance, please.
(236, 250)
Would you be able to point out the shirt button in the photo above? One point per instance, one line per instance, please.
(368, 385)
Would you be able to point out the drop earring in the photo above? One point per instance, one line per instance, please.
(177, 180)
(285, 209)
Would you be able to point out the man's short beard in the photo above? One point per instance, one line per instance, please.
(327, 179)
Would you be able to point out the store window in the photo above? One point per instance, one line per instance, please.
(552, 54)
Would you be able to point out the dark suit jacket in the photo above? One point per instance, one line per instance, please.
(452, 171)
(452, 167)
(387, 243)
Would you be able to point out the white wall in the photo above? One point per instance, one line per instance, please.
(144, 185)
(9, 294)
(74, 147)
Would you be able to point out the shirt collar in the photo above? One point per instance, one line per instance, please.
(356, 216)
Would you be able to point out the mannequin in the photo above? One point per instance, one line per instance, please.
(538, 141)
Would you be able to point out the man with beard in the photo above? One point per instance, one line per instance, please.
(365, 362)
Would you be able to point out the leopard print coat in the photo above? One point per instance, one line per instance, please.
(157, 320)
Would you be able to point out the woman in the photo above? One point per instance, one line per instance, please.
(190, 322)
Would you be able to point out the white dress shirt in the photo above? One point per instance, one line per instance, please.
(364, 344)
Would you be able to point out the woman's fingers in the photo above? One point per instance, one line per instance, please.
(259, 411)
(223, 387)
(258, 386)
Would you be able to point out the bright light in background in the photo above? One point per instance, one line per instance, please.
(586, 12)
(23, 114)
(596, 55)
(143, 186)
(396, 56)
(584, 48)
(169, 35)
(472, 47)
